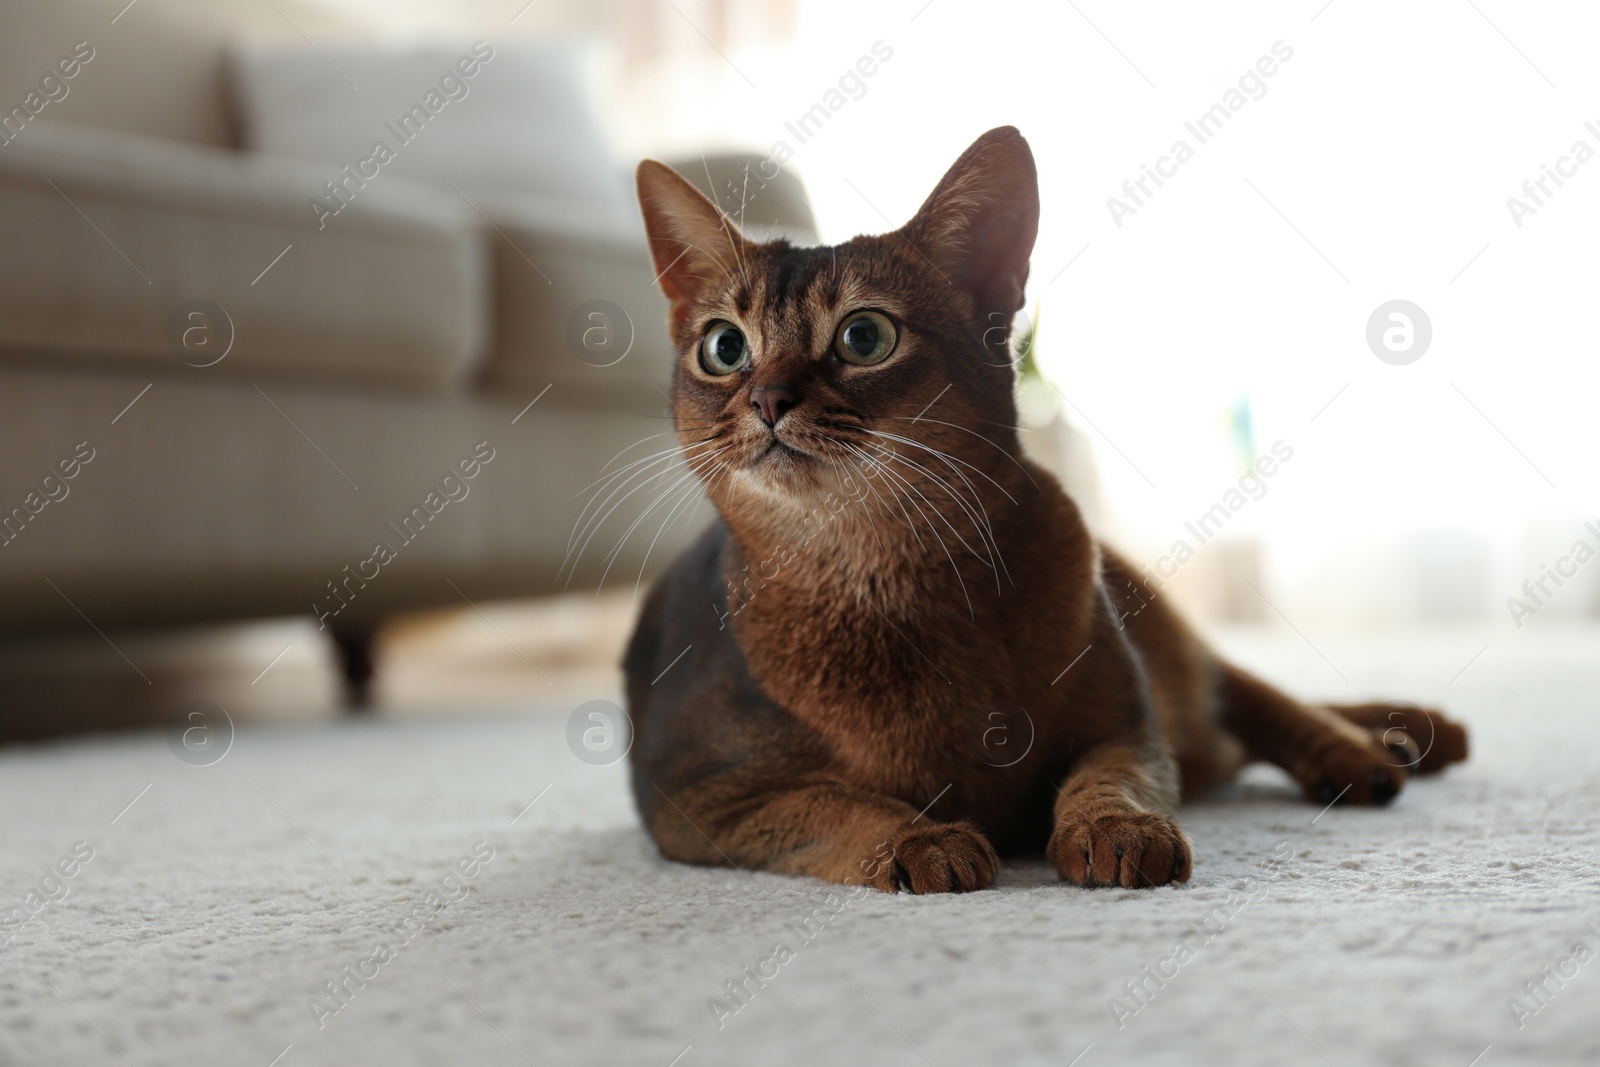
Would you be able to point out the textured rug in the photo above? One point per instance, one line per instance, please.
(467, 890)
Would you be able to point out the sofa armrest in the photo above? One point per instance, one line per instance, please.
(104, 236)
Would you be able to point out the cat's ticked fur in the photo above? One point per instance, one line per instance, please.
(889, 573)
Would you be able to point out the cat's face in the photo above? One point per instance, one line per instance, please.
(804, 369)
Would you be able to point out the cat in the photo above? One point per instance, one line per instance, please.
(888, 573)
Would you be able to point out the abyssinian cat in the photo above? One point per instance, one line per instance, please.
(888, 572)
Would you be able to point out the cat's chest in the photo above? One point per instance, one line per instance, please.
(879, 685)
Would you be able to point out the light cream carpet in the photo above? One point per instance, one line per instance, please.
(220, 899)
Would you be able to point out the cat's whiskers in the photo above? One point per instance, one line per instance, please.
(986, 526)
(973, 510)
(944, 546)
(675, 447)
(977, 498)
(960, 501)
(867, 480)
(687, 498)
(591, 513)
(690, 475)
(891, 473)
(607, 475)
(615, 483)
(605, 468)
(590, 528)
(845, 481)
(674, 417)
(965, 429)
(947, 458)
(878, 467)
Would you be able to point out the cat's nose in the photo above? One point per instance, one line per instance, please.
(771, 401)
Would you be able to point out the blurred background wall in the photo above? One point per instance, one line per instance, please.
(1229, 311)
(1232, 200)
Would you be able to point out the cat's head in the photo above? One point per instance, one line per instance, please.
(799, 367)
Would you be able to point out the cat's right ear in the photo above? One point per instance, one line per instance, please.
(692, 243)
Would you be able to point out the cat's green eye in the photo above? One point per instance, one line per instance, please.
(724, 349)
(864, 338)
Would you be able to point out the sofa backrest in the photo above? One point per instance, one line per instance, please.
(456, 111)
(157, 67)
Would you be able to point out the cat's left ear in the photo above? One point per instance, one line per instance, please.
(979, 224)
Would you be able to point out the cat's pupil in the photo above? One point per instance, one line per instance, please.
(729, 347)
(862, 337)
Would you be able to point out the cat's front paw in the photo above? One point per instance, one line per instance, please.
(1349, 772)
(1438, 741)
(938, 858)
(1131, 849)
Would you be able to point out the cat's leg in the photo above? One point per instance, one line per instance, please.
(1111, 827)
(826, 829)
(1332, 758)
(1423, 738)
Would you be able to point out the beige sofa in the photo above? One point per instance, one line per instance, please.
(248, 406)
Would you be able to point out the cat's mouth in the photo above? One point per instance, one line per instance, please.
(778, 450)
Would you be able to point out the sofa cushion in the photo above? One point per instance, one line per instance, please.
(508, 118)
(105, 238)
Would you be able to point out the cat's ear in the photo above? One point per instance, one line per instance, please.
(979, 224)
(693, 244)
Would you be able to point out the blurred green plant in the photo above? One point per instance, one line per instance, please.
(1037, 399)
(1239, 425)
(1027, 366)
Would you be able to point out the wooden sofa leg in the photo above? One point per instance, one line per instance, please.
(354, 644)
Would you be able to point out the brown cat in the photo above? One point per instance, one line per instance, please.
(889, 574)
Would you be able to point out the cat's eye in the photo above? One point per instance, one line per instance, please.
(864, 338)
(724, 349)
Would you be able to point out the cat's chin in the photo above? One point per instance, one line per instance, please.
(783, 470)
